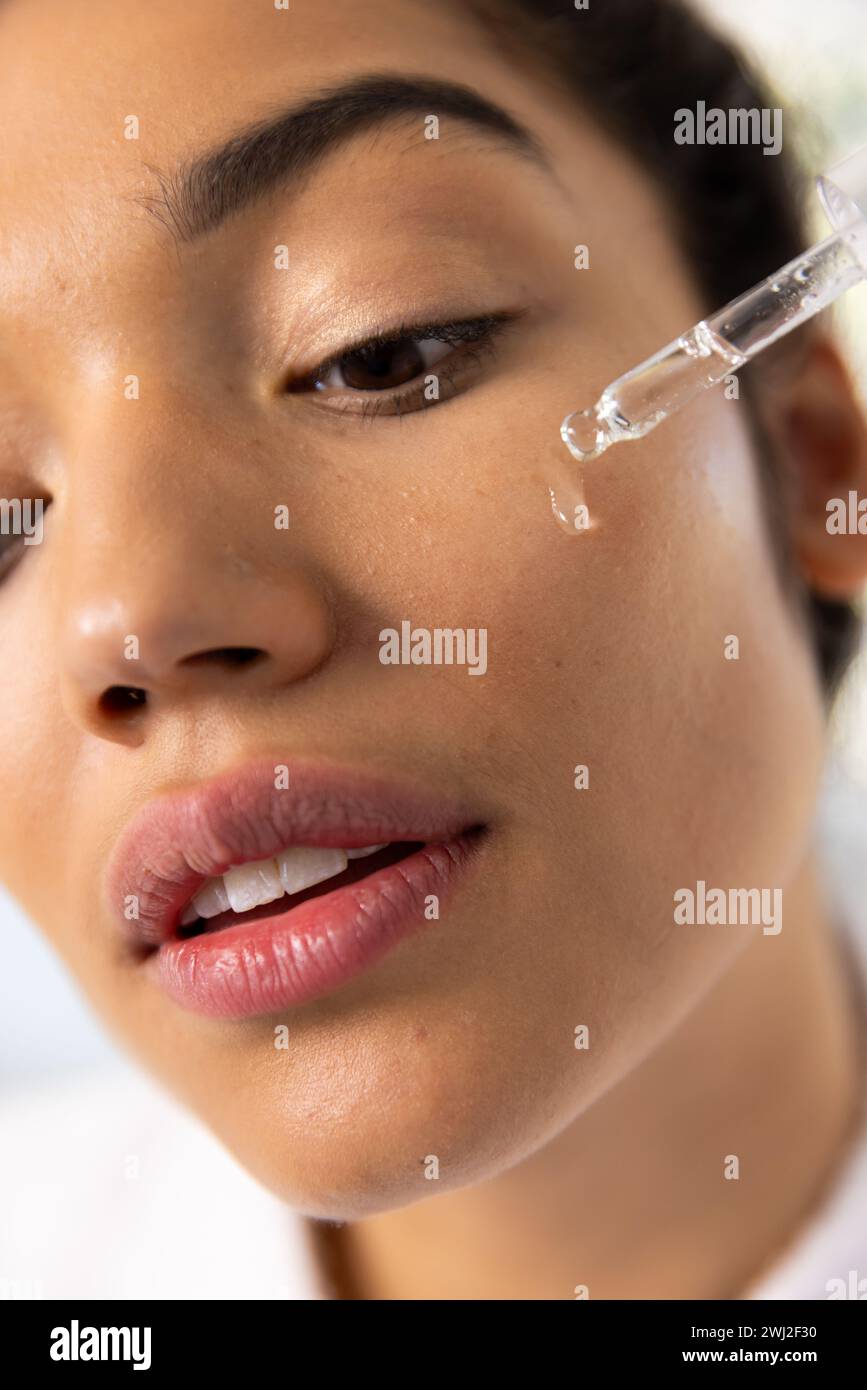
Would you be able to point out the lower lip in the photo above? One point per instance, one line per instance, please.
(257, 968)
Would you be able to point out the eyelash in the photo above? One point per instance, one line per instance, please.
(478, 337)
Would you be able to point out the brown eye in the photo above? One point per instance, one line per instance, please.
(383, 366)
(410, 369)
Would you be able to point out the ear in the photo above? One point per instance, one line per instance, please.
(821, 428)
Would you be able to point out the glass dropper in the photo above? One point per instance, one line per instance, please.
(715, 347)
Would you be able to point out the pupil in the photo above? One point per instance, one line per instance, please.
(377, 368)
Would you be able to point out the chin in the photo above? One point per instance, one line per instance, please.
(351, 1142)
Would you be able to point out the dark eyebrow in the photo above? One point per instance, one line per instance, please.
(203, 192)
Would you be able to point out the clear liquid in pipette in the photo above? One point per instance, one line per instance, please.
(701, 359)
(704, 356)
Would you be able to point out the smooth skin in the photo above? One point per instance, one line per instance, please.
(557, 1167)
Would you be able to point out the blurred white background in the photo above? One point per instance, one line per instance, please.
(816, 57)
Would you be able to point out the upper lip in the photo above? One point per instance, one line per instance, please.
(180, 839)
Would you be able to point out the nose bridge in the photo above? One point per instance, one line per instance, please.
(172, 577)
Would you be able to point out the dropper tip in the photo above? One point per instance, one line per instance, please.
(584, 435)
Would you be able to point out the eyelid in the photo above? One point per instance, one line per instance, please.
(468, 330)
(367, 406)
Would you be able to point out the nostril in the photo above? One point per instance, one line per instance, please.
(119, 700)
(225, 656)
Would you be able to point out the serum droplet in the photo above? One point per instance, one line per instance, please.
(584, 434)
(568, 503)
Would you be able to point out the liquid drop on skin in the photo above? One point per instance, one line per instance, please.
(568, 503)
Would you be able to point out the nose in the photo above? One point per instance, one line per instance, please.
(178, 588)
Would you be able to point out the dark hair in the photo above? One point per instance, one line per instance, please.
(737, 214)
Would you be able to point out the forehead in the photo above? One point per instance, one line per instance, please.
(73, 71)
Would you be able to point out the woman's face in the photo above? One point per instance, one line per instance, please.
(159, 388)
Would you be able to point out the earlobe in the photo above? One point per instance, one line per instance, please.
(823, 432)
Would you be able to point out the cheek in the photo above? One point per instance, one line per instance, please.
(615, 650)
(658, 641)
(36, 751)
(656, 650)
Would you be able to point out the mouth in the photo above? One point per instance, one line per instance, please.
(271, 887)
(249, 894)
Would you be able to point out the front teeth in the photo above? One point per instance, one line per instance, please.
(211, 898)
(303, 866)
(252, 885)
